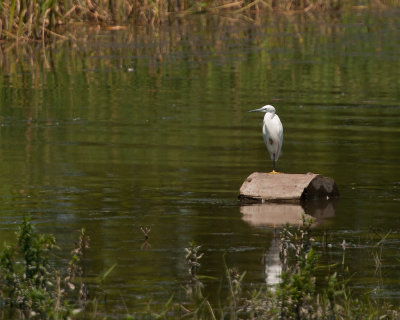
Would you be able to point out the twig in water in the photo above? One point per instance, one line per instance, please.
(146, 230)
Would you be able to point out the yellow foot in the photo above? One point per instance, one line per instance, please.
(274, 172)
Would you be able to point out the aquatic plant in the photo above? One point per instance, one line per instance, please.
(31, 286)
(193, 257)
(297, 296)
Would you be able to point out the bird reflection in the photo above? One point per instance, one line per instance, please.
(273, 267)
(276, 215)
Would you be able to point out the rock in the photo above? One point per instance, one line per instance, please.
(284, 187)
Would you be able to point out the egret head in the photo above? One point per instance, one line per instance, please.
(267, 108)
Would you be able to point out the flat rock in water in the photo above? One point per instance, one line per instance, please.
(284, 187)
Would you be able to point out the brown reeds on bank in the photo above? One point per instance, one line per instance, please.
(45, 19)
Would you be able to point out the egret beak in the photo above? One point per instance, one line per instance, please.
(256, 110)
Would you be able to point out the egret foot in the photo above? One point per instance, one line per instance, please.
(274, 172)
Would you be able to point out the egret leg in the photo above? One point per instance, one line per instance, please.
(274, 165)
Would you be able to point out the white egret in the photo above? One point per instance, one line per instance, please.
(272, 133)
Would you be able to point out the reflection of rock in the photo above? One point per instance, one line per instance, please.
(320, 209)
(277, 214)
(272, 214)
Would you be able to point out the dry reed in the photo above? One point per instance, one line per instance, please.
(47, 19)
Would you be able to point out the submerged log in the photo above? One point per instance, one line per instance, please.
(284, 187)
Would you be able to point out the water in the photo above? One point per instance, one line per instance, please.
(149, 128)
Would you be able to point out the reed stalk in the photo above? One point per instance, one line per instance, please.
(40, 20)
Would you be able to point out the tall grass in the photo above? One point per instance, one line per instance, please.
(44, 19)
(30, 287)
(297, 296)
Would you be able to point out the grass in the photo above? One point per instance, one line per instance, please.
(24, 20)
(297, 296)
(31, 288)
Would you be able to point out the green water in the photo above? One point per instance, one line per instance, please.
(149, 127)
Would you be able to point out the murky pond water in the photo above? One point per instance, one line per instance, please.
(149, 128)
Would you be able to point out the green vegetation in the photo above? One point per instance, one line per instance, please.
(32, 288)
(27, 19)
(296, 297)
